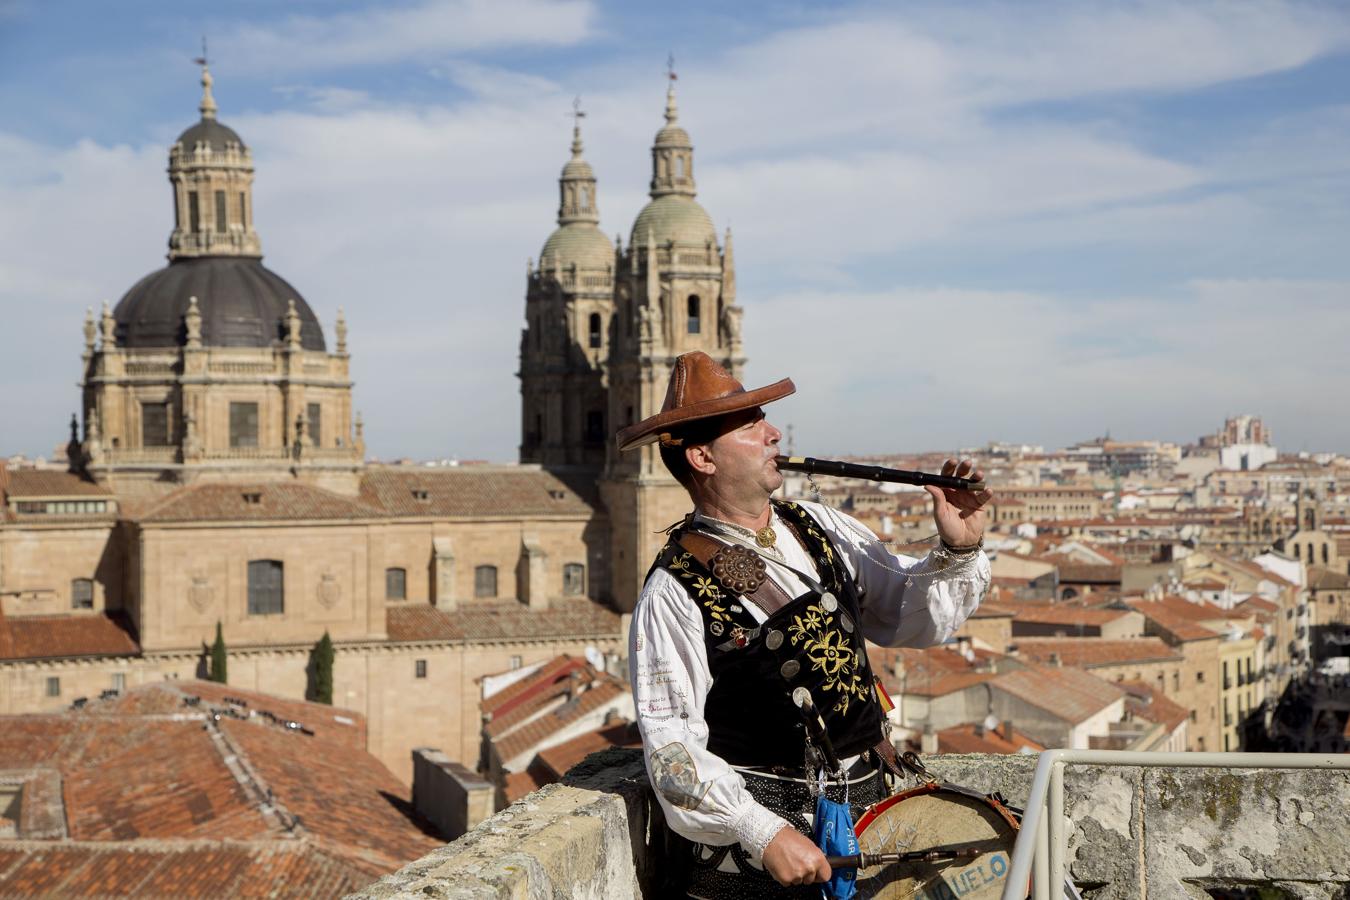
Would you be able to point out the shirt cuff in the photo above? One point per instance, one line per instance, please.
(755, 827)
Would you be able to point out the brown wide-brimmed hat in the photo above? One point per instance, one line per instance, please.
(699, 389)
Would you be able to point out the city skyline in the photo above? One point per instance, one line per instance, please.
(1122, 219)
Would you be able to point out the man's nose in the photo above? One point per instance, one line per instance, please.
(771, 435)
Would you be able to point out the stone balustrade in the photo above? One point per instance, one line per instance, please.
(1161, 832)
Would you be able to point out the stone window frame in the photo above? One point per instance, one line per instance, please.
(485, 585)
(396, 583)
(53, 685)
(273, 603)
(78, 595)
(420, 668)
(574, 579)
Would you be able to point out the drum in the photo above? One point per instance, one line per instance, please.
(934, 816)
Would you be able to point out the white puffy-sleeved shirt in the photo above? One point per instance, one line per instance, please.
(905, 603)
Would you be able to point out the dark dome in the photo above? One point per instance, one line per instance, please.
(210, 131)
(242, 304)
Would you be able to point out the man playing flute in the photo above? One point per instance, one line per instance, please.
(752, 598)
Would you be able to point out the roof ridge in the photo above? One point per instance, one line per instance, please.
(255, 788)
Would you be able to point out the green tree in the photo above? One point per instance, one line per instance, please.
(321, 659)
(218, 672)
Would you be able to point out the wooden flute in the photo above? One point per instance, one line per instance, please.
(812, 466)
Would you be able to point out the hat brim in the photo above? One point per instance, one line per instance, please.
(653, 427)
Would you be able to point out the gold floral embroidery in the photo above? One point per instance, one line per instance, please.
(829, 652)
(708, 591)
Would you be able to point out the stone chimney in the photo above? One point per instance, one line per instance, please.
(447, 794)
(928, 741)
(1005, 730)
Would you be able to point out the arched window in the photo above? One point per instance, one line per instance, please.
(574, 579)
(395, 584)
(266, 592)
(82, 594)
(679, 166)
(595, 330)
(194, 211)
(585, 197)
(485, 581)
(694, 324)
(221, 218)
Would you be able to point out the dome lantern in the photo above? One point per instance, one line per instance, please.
(211, 171)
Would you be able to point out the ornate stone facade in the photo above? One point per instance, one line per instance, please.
(219, 476)
(603, 327)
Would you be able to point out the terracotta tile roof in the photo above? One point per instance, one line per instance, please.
(1150, 704)
(193, 794)
(1088, 573)
(332, 723)
(544, 682)
(57, 637)
(187, 870)
(1320, 579)
(343, 796)
(972, 738)
(278, 500)
(1180, 627)
(558, 760)
(25, 483)
(1255, 604)
(987, 610)
(538, 730)
(499, 620)
(478, 492)
(1061, 614)
(518, 784)
(143, 774)
(1069, 694)
(1089, 652)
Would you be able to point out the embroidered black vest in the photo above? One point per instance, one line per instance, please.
(815, 641)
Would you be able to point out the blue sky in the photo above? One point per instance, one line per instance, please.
(953, 222)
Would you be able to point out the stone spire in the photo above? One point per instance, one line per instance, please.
(577, 185)
(672, 153)
(208, 105)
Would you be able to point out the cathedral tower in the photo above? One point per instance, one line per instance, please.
(566, 342)
(214, 366)
(675, 292)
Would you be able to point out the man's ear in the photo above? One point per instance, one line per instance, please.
(700, 459)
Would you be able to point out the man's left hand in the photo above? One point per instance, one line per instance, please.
(960, 515)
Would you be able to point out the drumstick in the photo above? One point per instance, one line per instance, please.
(866, 860)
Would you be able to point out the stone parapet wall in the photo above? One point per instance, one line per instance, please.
(1163, 832)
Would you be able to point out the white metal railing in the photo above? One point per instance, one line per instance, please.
(1039, 851)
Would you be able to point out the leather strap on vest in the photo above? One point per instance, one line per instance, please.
(768, 596)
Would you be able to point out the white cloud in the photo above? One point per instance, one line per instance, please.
(943, 368)
(829, 149)
(387, 33)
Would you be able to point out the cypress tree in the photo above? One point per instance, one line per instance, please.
(218, 672)
(323, 669)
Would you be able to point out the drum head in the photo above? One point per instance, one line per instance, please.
(930, 817)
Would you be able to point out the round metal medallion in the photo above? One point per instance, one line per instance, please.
(739, 569)
(790, 669)
(828, 602)
(716, 628)
(774, 640)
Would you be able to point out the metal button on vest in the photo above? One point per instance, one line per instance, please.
(774, 640)
(790, 668)
(846, 622)
(828, 601)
